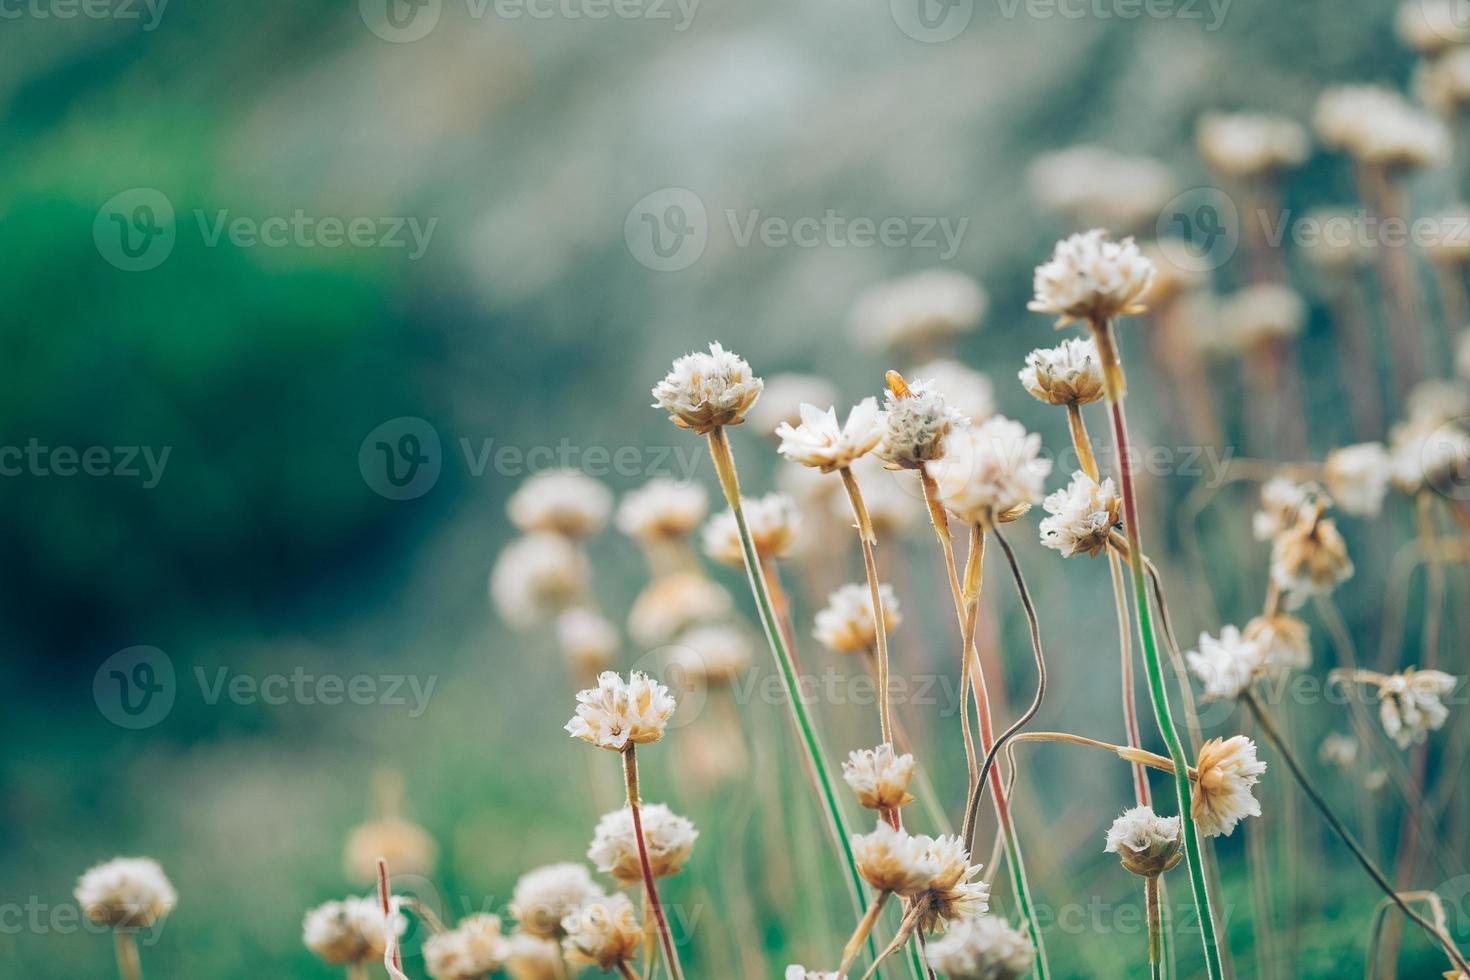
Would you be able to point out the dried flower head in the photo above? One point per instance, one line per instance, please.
(1145, 842)
(561, 501)
(1263, 313)
(847, 624)
(772, 520)
(471, 950)
(783, 397)
(125, 893)
(588, 641)
(529, 957)
(965, 390)
(350, 931)
(705, 391)
(921, 310)
(711, 654)
(1282, 503)
(536, 577)
(405, 845)
(893, 860)
(1248, 144)
(880, 777)
(662, 510)
(1339, 750)
(1285, 640)
(1422, 455)
(1357, 476)
(1093, 186)
(543, 896)
(991, 472)
(1309, 558)
(1341, 247)
(1227, 768)
(603, 933)
(1379, 127)
(1433, 26)
(616, 713)
(1409, 704)
(672, 604)
(954, 893)
(1090, 277)
(821, 442)
(1082, 516)
(982, 948)
(668, 837)
(914, 422)
(1226, 666)
(1068, 374)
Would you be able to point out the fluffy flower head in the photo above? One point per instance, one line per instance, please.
(1226, 666)
(1145, 842)
(125, 893)
(919, 310)
(350, 931)
(985, 947)
(1068, 374)
(471, 950)
(992, 472)
(847, 624)
(1092, 277)
(603, 932)
(1409, 704)
(773, 521)
(543, 896)
(705, 391)
(880, 777)
(562, 501)
(1082, 516)
(914, 422)
(1357, 477)
(893, 860)
(662, 510)
(1227, 768)
(668, 837)
(618, 713)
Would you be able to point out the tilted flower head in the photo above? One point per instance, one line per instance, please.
(618, 713)
(1409, 704)
(1091, 277)
(668, 837)
(1068, 374)
(125, 893)
(821, 442)
(1310, 558)
(914, 423)
(953, 893)
(674, 603)
(350, 931)
(529, 957)
(1357, 477)
(880, 777)
(893, 860)
(984, 947)
(1263, 313)
(1285, 640)
(562, 501)
(965, 390)
(1246, 144)
(536, 577)
(783, 397)
(711, 654)
(543, 896)
(1339, 750)
(1082, 516)
(991, 472)
(772, 520)
(407, 847)
(1145, 842)
(918, 310)
(662, 510)
(1227, 768)
(847, 624)
(705, 391)
(1421, 455)
(588, 641)
(1433, 26)
(603, 932)
(1226, 666)
(471, 950)
(1380, 127)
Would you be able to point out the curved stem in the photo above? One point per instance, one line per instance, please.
(1268, 728)
(665, 939)
(875, 596)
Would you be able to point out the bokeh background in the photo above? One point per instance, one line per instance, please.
(522, 147)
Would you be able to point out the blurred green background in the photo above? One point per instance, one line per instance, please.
(263, 548)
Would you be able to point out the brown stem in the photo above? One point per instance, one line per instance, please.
(870, 568)
(666, 940)
(128, 965)
(860, 934)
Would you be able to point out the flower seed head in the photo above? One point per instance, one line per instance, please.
(350, 931)
(1409, 704)
(529, 957)
(1068, 374)
(1227, 768)
(662, 511)
(618, 713)
(772, 520)
(893, 860)
(914, 425)
(471, 950)
(668, 837)
(125, 893)
(705, 391)
(1226, 666)
(954, 892)
(1090, 277)
(880, 777)
(1146, 843)
(1310, 558)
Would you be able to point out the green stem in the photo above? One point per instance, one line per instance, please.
(724, 461)
(1158, 694)
(1155, 927)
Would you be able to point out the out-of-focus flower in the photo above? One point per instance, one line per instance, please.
(1409, 704)
(1282, 501)
(668, 838)
(1357, 476)
(662, 510)
(1310, 558)
(618, 713)
(1379, 127)
(587, 640)
(1082, 516)
(1284, 639)
(992, 472)
(604, 932)
(674, 603)
(847, 624)
(1090, 277)
(712, 654)
(893, 860)
(1227, 768)
(1339, 750)
(919, 310)
(1068, 374)
(407, 847)
(705, 391)
(880, 777)
(126, 893)
(783, 397)
(1227, 665)
(1145, 842)
(772, 520)
(1094, 186)
(472, 950)
(563, 501)
(536, 577)
(984, 947)
(1246, 144)
(529, 957)
(1422, 455)
(1433, 26)
(1435, 402)
(967, 391)
(543, 896)
(1263, 313)
(350, 931)
(798, 972)
(820, 441)
(1334, 240)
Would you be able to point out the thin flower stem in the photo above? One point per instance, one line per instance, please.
(880, 628)
(1380, 914)
(392, 955)
(356, 971)
(626, 971)
(128, 965)
(724, 462)
(1269, 729)
(1155, 927)
(905, 929)
(1127, 754)
(861, 933)
(635, 806)
(972, 681)
(1158, 694)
